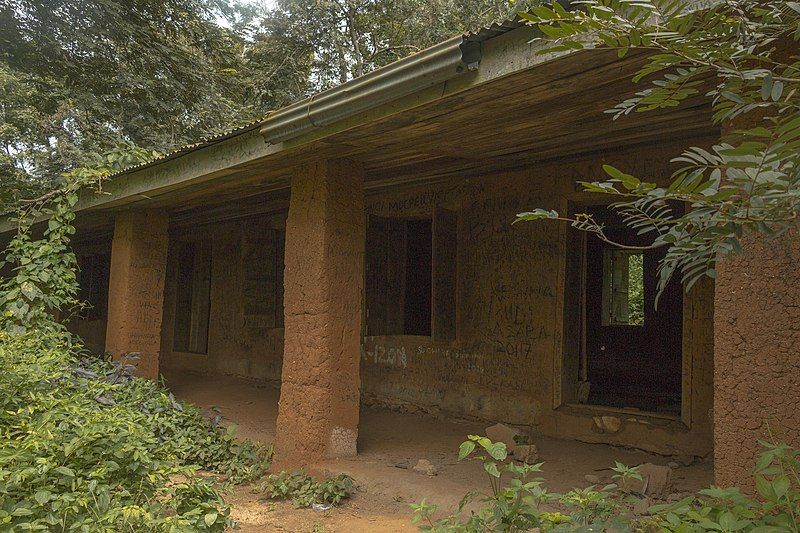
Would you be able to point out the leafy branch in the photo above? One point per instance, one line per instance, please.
(45, 270)
(737, 54)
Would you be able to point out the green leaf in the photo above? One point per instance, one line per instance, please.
(491, 468)
(465, 449)
(628, 181)
(764, 488)
(64, 471)
(766, 87)
(537, 214)
(498, 451)
(210, 519)
(780, 485)
(777, 90)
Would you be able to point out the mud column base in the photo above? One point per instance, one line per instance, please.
(136, 287)
(756, 355)
(320, 384)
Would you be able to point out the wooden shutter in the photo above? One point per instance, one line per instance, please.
(201, 298)
(444, 273)
(375, 259)
(183, 296)
(260, 282)
(615, 287)
(395, 282)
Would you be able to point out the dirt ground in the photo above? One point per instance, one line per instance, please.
(389, 445)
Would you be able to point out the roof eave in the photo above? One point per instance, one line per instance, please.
(424, 69)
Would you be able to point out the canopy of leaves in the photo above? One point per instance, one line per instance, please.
(740, 54)
(78, 79)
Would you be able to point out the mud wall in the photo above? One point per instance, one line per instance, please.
(757, 361)
(505, 362)
(319, 404)
(239, 344)
(136, 288)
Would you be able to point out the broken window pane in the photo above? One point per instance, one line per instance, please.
(623, 288)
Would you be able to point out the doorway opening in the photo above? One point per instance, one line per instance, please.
(630, 349)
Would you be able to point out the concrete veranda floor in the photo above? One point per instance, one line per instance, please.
(390, 444)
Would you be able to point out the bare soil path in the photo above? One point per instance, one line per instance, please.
(390, 444)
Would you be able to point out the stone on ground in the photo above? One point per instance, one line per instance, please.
(607, 424)
(424, 466)
(592, 479)
(503, 433)
(526, 453)
(641, 507)
(656, 480)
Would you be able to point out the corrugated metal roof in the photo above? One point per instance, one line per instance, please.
(480, 35)
(493, 30)
(188, 148)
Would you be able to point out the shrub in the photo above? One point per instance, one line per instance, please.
(518, 497)
(518, 500)
(304, 491)
(84, 446)
(777, 477)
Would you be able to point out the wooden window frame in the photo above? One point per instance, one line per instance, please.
(388, 236)
(568, 379)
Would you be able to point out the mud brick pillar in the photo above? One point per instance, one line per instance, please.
(136, 287)
(756, 348)
(756, 354)
(324, 280)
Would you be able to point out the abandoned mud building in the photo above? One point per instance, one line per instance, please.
(357, 247)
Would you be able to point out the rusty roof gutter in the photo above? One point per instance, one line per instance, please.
(427, 68)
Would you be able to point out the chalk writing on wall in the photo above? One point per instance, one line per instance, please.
(466, 360)
(383, 355)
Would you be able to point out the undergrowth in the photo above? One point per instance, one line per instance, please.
(304, 491)
(519, 501)
(84, 446)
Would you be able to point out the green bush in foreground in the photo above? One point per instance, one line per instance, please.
(304, 491)
(519, 501)
(86, 447)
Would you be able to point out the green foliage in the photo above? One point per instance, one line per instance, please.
(343, 39)
(78, 79)
(86, 446)
(44, 270)
(777, 476)
(89, 75)
(519, 502)
(636, 289)
(737, 54)
(304, 491)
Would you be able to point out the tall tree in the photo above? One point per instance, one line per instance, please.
(344, 39)
(81, 78)
(97, 72)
